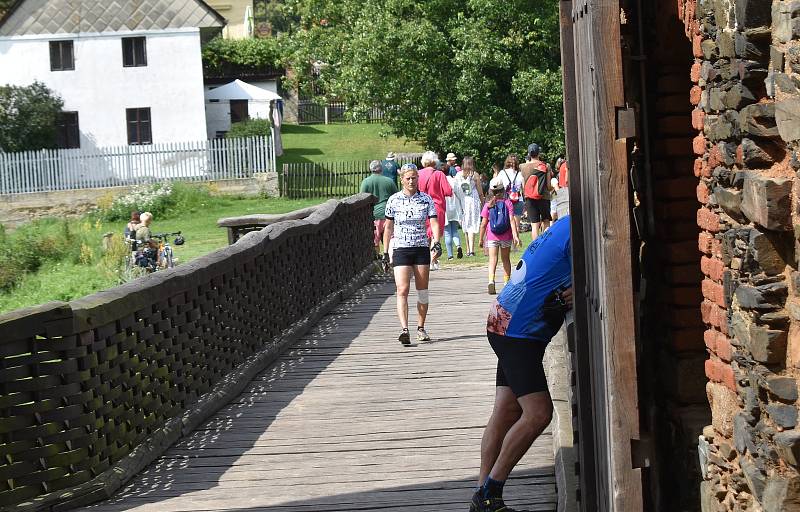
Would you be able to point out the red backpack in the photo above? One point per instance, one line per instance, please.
(537, 185)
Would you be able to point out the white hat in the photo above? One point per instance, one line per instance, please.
(390, 156)
(450, 156)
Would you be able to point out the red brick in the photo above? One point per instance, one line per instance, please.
(723, 347)
(726, 376)
(704, 242)
(699, 145)
(713, 292)
(708, 220)
(714, 315)
(698, 119)
(701, 168)
(716, 248)
(694, 74)
(710, 339)
(702, 192)
(712, 370)
(697, 50)
(712, 267)
(695, 94)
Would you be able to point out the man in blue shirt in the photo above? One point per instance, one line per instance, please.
(526, 315)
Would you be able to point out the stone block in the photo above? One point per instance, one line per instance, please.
(784, 83)
(730, 200)
(759, 120)
(723, 126)
(753, 44)
(783, 388)
(752, 13)
(785, 22)
(738, 96)
(767, 201)
(759, 154)
(776, 59)
(770, 251)
(782, 493)
(787, 117)
(751, 73)
(768, 296)
(755, 477)
(788, 446)
(783, 415)
(765, 345)
(724, 406)
(710, 49)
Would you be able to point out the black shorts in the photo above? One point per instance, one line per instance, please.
(406, 256)
(538, 210)
(519, 364)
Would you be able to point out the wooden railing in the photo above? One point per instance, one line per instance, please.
(327, 179)
(93, 390)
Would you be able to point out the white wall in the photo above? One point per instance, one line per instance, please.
(100, 88)
(218, 114)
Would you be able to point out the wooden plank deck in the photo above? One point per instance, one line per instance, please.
(351, 420)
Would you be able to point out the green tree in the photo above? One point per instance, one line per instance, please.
(28, 117)
(478, 77)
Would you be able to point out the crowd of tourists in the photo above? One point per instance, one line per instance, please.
(436, 203)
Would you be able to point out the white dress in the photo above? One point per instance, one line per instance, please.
(471, 203)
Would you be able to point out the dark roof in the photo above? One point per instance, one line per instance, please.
(36, 17)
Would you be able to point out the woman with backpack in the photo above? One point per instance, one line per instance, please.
(513, 183)
(501, 232)
(469, 183)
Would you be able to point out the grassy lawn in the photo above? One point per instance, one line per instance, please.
(481, 259)
(340, 142)
(65, 280)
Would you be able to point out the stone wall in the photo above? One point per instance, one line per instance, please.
(747, 117)
(16, 209)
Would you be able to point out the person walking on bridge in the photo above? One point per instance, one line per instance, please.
(381, 187)
(412, 252)
(521, 322)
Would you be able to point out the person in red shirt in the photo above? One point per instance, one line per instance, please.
(435, 184)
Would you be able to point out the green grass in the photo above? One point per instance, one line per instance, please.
(340, 142)
(481, 259)
(64, 280)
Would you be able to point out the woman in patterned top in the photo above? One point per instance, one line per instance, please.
(406, 214)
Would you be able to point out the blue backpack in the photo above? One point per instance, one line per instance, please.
(499, 219)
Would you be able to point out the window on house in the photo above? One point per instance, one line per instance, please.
(134, 52)
(68, 135)
(62, 57)
(139, 130)
(239, 111)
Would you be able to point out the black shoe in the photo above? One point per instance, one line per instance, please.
(459, 253)
(405, 338)
(478, 504)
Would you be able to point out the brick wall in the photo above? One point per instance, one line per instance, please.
(747, 116)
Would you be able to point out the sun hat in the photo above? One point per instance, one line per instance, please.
(450, 156)
(391, 156)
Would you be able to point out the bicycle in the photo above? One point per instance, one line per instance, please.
(165, 256)
(151, 259)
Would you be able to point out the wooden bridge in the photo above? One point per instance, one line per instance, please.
(348, 419)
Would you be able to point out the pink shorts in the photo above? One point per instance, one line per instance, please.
(379, 225)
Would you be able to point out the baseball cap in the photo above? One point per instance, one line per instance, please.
(450, 156)
(391, 156)
(534, 149)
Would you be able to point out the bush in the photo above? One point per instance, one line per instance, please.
(250, 128)
(163, 200)
(234, 57)
(28, 117)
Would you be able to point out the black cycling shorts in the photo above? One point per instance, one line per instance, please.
(406, 256)
(538, 210)
(519, 364)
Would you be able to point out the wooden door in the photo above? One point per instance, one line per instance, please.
(603, 337)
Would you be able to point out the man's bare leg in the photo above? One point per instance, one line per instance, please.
(537, 411)
(506, 412)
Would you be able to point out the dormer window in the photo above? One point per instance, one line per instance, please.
(62, 57)
(134, 52)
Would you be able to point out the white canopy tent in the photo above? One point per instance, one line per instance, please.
(260, 106)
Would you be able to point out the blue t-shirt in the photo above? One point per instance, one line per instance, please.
(545, 266)
(389, 168)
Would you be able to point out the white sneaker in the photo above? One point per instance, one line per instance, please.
(435, 266)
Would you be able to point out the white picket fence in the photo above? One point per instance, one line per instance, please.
(69, 169)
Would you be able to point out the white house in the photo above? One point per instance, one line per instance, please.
(129, 72)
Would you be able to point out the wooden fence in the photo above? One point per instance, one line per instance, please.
(328, 179)
(95, 389)
(68, 169)
(311, 112)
